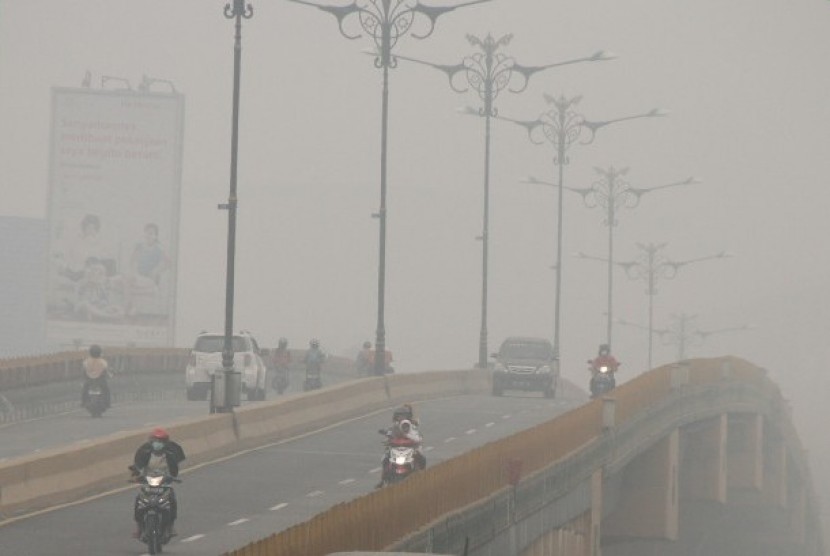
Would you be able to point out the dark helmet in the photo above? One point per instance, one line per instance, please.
(367, 345)
(402, 413)
(604, 348)
(283, 342)
(95, 350)
(159, 434)
(314, 343)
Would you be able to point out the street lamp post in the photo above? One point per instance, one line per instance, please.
(653, 266)
(612, 192)
(489, 72)
(683, 333)
(562, 126)
(385, 21)
(238, 10)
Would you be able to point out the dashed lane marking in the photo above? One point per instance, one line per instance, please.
(193, 538)
(279, 506)
(238, 521)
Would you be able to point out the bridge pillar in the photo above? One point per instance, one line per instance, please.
(776, 469)
(649, 501)
(745, 470)
(703, 473)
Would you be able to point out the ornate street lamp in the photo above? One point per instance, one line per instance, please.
(237, 11)
(385, 21)
(611, 192)
(489, 72)
(562, 126)
(652, 266)
(682, 332)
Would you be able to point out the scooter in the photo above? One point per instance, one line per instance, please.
(96, 401)
(312, 378)
(153, 507)
(400, 460)
(602, 381)
(280, 380)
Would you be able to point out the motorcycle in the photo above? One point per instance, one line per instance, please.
(280, 381)
(312, 378)
(96, 402)
(602, 381)
(400, 460)
(153, 508)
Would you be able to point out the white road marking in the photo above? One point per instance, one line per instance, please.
(279, 506)
(428, 448)
(238, 521)
(193, 538)
(471, 431)
(346, 481)
(375, 470)
(450, 439)
(314, 493)
(489, 424)
(506, 416)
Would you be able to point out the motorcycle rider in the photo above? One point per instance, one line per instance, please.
(365, 360)
(604, 359)
(163, 455)
(404, 427)
(314, 359)
(96, 371)
(281, 359)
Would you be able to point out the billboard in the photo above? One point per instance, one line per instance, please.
(113, 212)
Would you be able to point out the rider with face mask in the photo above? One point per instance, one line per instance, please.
(159, 453)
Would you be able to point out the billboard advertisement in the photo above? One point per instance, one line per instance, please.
(113, 212)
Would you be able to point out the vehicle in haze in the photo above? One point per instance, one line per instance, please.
(206, 358)
(526, 363)
(153, 507)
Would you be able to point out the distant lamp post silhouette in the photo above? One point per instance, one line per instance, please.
(652, 266)
(682, 333)
(489, 72)
(611, 192)
(238, 10)
(562, 126)
(385, 22)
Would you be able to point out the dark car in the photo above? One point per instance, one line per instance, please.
(526, 363)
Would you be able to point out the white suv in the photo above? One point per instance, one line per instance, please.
(206, 357)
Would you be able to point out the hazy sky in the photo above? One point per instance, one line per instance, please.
(748, 90)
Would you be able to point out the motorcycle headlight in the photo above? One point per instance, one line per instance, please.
(603, 370)
(400, 460)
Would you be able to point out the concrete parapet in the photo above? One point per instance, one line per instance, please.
(67, 474)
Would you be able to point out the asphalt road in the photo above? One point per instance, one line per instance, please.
(141, 402)
(237, 500)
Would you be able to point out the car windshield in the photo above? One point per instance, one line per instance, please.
(525, 351)
(214, 344)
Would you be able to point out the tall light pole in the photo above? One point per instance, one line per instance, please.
(489, 72)
(562, 126)
(385, 21)
(611, 192)
(237, 11)
(653, 266)
(682, 332)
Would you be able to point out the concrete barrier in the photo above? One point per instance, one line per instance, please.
(68, 474)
